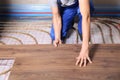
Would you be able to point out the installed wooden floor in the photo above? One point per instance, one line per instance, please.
(44, 62)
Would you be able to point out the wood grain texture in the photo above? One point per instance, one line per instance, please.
(45, 62)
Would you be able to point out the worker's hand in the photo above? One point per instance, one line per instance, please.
(83, 58)
(56, 42)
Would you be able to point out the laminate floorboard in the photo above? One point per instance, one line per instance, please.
(45, 62)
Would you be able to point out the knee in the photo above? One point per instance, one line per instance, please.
(52, 34)
(63, 33)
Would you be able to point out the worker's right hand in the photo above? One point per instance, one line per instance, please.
(57, 42)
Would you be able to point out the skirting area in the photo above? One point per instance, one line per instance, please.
(36, 30)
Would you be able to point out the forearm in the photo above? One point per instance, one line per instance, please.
(85, 12)
(86, 30)
(57, 25)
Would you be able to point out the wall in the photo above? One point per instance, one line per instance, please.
(23, 1)
(107, 2)
(102, 7)
(97, 2)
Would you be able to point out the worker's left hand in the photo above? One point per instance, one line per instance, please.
(83, 58)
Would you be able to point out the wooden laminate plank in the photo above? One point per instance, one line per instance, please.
(45, 62)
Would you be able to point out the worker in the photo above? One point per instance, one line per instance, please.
(64, 12)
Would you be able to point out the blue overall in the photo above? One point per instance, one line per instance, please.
(67, 14)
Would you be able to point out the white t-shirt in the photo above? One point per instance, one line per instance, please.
(53, 3)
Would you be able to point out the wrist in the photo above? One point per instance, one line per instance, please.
(85, 45)
(57, 36)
